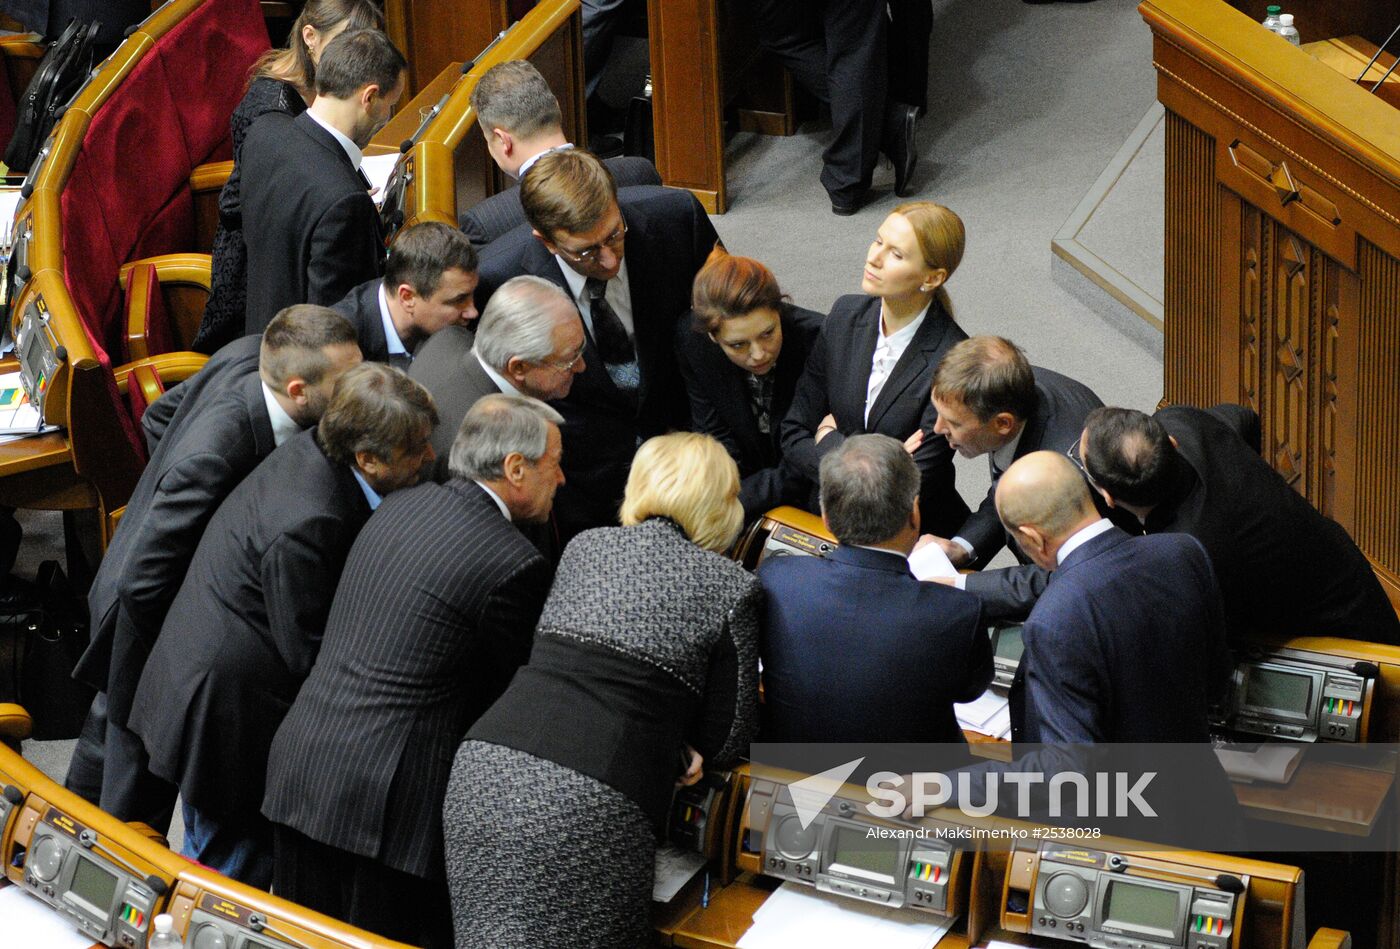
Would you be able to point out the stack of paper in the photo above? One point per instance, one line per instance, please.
(29, 924)
(18, 418)
(797, 915)
(674, 869)
(1273, 764)
(929, 561)
(988, 714)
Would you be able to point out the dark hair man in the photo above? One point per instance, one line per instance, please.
(991, 401)
(444, 591)
(530, 343)
(428, 283)
(243, 631)
(311, 229)
(854, 625)
(221, 438)
(1284, 568)
(521, 120)
(628, 260)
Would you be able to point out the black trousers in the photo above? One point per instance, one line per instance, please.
(911, 22)
(836, 49)
(361, 891)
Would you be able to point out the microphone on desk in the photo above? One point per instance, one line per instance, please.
(405, 146)
(1380, 50)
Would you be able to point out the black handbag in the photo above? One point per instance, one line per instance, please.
(61, 73)
(48, 632)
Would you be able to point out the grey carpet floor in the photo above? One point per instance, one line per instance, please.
(1027, 105)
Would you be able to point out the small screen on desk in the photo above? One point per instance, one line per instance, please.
(873, 857)
(1278, 691)
(1007, 643)
(1143, 908)
(93, 885)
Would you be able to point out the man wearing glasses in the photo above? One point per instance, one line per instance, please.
(627, 259)
(530, 343)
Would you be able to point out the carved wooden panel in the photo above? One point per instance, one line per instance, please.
(1254, 304)
(1286, 430)
(1377, 527)
(1192, 305)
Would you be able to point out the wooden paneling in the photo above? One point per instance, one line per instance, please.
(433, 33)
(1283, 256)
(687, 101)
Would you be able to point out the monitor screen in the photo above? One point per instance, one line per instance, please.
(1143, 908)
(1008, 643)
(1278, 691)
(873, 857)
(93, 886)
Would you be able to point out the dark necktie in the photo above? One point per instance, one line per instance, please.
(614, 345)
(761, 400)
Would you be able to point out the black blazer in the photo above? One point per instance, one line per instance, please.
(669, 237)
(311, 228)
(361, 307)
(221, 439)
(435, 611)
(719, 406)
(244, 629)
(495, 216)
(1057, 422)
(856, 649)
(225, 368)
(446, 366)
(1284, 568)
(835, 382)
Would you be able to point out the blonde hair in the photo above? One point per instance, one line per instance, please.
(691, 479)
(941, 238)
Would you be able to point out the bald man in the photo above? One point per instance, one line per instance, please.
(1127, 643)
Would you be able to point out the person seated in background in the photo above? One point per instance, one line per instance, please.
(873, 364)
(282, 80)
(530, 343)
(521, 120)
(311, 229)
(741, 355)
(242, 633)
(628, 260)
(1284, 568)
(1127, 644)
(855, 648)
(644, 667)
(991, 401)
(221, 439)
(435, 610)
(428, 283)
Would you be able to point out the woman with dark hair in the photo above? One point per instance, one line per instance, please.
(872, 368)
(741, 356)
(282, 80)
(645, 666)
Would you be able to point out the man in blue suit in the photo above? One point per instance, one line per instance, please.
(856, 649)
(1127, 643)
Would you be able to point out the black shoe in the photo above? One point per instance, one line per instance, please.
(845, 207)
(899, 144)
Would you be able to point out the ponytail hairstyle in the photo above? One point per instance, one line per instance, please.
(941, 238)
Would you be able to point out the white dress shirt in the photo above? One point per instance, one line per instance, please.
(618, 294)
(888, 349)
(351, 149)
(501, 381)
(283, 427)
(525, 165)
(505, 511)
(391, 334)
(1081, 537)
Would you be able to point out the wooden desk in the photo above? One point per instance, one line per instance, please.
(1322, 796)
(1349, 55)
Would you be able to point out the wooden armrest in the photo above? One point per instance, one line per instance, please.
(210, 176)
(15, 724)
(170, 368)
(173, 268)
(1330, 939)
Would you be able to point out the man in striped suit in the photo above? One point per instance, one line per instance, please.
(435, 610)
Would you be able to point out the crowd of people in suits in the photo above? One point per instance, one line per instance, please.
(416, 607)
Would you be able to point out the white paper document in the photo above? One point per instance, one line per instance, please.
(28, 923)
(988, 714)
(17, 416)
(797, 915)
(1271, 764)
(929, 561)
(377, 169)
(674, 869)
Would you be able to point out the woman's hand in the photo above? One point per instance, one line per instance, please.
(912, 443)
(827, 426)
(694, 769)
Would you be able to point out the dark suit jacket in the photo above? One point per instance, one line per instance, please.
(244, 629)
(669, 237)
(495, 216)
(220, 441)
(435, 611)
(361, 307)
(229, 364)
(312, 231)
(720, 406)
(856, 649)
(1284, 568)
(1127, 644)
(447, 368)
(835, 382)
